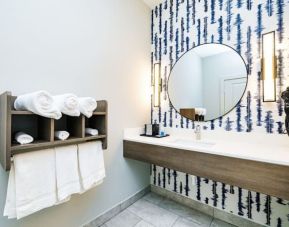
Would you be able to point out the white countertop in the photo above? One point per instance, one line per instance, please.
(251, 146)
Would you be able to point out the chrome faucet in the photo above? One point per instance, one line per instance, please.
(198, 132)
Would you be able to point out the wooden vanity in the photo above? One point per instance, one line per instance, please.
(266, 178)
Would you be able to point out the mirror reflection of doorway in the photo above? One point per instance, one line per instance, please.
(231, 91)
(207, 81)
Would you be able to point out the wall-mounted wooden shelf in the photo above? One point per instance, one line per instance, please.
(42, 129)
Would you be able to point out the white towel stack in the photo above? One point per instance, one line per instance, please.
(39, 102)
(87, 105)
(23, 138)
(68, 104)
(41, 179)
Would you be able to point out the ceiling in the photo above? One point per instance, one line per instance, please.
(210, 50)
(152, 3)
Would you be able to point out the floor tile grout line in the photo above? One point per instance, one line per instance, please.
(138, 222)
(211, 221)
(179, 217)
(140, 217)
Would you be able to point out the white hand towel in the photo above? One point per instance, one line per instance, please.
(39, 102)
(68, 104)
(91, 131)
(35, 181)
(10, 205)
(67, 174)
(91, 164)
(87, 105)
(23, 138)
(61, 135)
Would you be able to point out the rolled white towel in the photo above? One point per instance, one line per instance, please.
(67, 104)
(62, 135)
(91, 131)
(39, 102)
(87, 105)
(23, 138)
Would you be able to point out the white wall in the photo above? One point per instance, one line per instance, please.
(214, 68)
(185, 82)
(89, 47)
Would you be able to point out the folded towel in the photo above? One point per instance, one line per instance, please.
(91, 131)
(67, 175)
(10, 204)
(61, 135)
(34, 176)
(67, 104)
(23, 138)
(91, 164)
(87, 105)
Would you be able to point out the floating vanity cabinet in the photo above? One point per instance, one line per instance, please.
(263, 177)
(42, 129)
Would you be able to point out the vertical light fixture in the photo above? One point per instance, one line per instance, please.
(157, 85)
(269, 67)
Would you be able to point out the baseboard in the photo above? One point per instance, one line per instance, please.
(107, 215)
(204, 208)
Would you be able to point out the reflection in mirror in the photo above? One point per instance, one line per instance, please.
(207, 82)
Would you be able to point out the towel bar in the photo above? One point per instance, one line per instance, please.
(42, 129)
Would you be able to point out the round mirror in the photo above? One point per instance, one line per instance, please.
(207, 82)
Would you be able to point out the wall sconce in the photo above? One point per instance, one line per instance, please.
(269, 67)
(157, 84)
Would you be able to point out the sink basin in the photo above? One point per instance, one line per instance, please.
(194, 143)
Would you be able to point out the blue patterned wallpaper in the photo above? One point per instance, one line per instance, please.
(179, 25)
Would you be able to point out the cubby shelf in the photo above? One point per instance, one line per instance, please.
(21, 112)
(42, 129)
(17, 148)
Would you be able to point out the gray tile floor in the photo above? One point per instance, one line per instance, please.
(155, 211)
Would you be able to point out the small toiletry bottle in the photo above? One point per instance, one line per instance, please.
(162, 131)
(156, 128)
